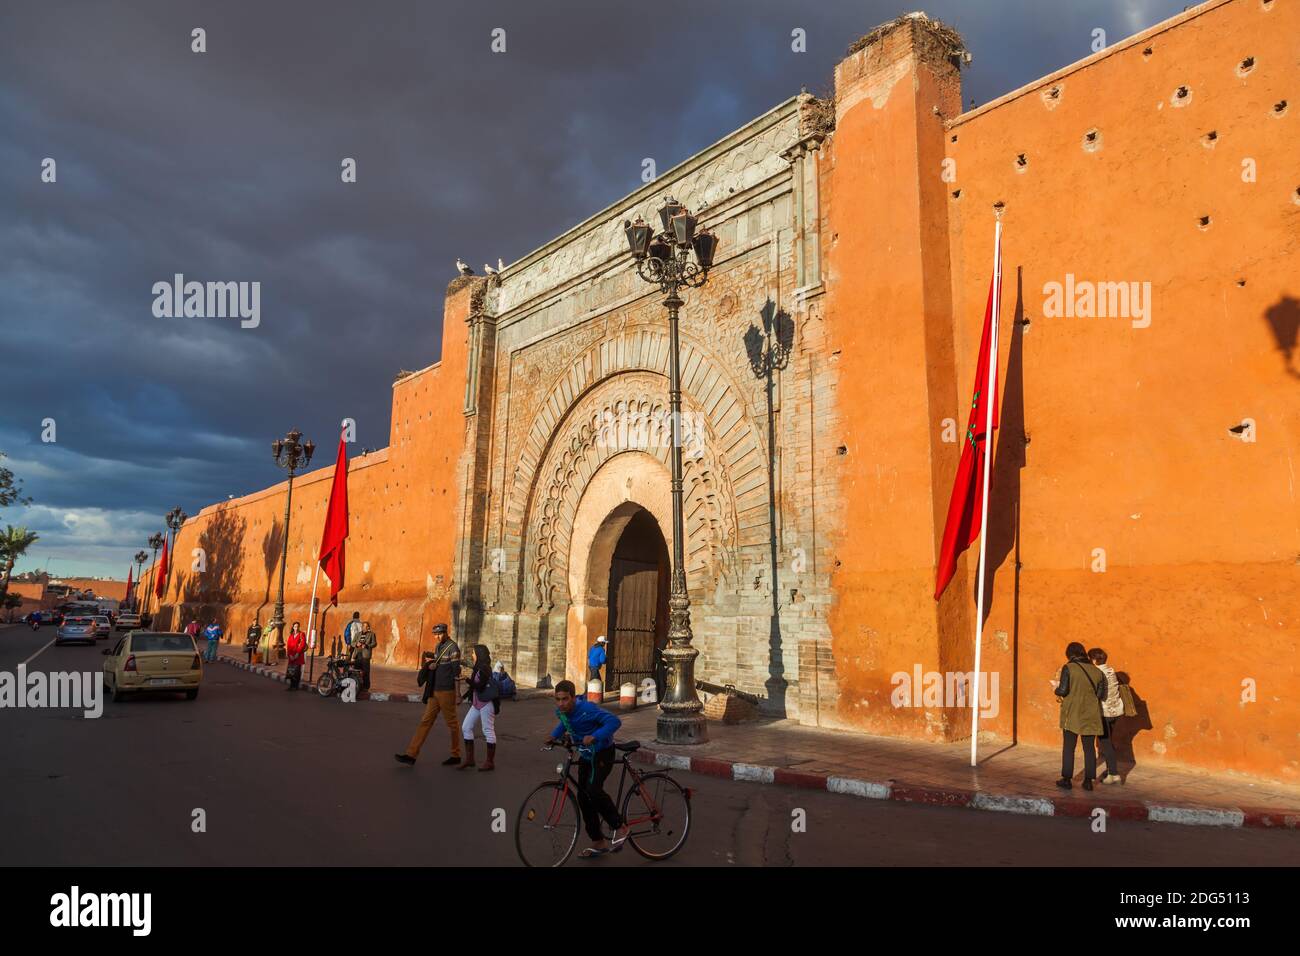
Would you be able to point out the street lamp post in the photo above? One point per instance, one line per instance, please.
(140, 558)
(155, 541)
(291, 453)
(175, 518)
(665, 260)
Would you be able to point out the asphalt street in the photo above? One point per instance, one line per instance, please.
(292, 779)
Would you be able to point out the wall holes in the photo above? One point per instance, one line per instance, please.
(954, 138)
(1051, 97)
(956, 194)
(1295, 196)
(1245, 66)
(1021, 162)
(999, 206)
(1241, 283)
(1092, 140)
(1203, 223)
(1279, 108)
(1209, 139)
(842, 450)
(1182, 96)
(1146, 54)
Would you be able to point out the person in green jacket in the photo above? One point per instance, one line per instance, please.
(1082, 688)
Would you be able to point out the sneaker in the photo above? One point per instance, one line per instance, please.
(404, 758)
(1064, 784)
(1111, 778)
(452, 761)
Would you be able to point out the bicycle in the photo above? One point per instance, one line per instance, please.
(656, 810)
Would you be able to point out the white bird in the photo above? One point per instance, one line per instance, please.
(489, 270)
(463, 268)
(500, 265)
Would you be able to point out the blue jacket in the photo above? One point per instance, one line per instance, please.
(587, 719)
(596, 656)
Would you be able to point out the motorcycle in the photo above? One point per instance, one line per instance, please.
(338, 668)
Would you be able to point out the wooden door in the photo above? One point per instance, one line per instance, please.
(634, 600)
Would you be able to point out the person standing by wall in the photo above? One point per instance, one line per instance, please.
(1081, 687)
(484, 699)
(192, 629)
(364, 643)
(252, 638)
(213, 634)
(1112, 708)
(439, 671)
(596, 658)
(296, 645)
(352, 630)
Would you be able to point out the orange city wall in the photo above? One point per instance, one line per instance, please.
(1124, 511)
(403, 517)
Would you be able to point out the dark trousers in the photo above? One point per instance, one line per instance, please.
(1108, 747)
(1089, 755)
(364, 663)
(594, 802)
(593, 673)
(294, 673)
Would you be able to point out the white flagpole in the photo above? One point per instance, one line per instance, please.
(992, 385)
(311, 627)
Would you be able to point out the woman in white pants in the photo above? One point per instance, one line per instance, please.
(484, 705)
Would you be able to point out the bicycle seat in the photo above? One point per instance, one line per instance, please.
(628, 746)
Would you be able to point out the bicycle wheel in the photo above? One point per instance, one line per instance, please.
(546, 830)
(325, 684)
(658, 814)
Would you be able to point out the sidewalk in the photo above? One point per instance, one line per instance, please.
(1012, 779)
(386, 683)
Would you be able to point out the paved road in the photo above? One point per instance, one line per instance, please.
(288, 778)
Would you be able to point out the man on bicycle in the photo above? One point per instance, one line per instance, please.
(593, 728)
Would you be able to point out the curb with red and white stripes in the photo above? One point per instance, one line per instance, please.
(976, 799)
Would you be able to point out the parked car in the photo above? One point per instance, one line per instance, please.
(127, 621)
(76, 630)
(153, 661)
(103, 626)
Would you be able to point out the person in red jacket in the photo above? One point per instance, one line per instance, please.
(296, 646)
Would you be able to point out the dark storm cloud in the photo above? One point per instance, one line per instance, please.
(225, 166)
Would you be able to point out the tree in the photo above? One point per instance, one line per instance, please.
(12, 601)
(11, 489)
(13, 542)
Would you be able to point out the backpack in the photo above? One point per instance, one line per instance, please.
(505, 686)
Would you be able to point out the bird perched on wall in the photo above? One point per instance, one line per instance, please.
(500, 265)
(489, 270)
(463, 268)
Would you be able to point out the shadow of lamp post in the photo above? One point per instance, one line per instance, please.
(292, 454)
(665, 260)
(175, 518)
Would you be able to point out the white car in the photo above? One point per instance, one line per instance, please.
(128, 621)
(103, 626)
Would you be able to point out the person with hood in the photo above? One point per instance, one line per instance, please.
(591, 728)
(213, 633)
(596, 658)
(439, 671)
(1082, 688)
(484, 699)
(296, 645)
(1112, 708)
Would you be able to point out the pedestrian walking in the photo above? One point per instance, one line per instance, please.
(439, 671)
(596, 658)
(1081, 687)
(213, 634)
(484, 699)
(296, 646)
(252, 638)
(192, 629)
(1112, 708)
(364, 644)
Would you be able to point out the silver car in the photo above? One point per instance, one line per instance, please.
(103, 626)
(76, 630)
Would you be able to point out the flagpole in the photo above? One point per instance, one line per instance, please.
(989, 400)
(311, 627)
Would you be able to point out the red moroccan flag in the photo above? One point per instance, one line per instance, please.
(160, 573)
(965, 509)
(336, 525)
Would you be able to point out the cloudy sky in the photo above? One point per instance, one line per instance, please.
(225, 165)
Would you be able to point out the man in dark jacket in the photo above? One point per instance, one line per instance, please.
(593, 728)
(1082, 688)
(364, 644)
(439, 671)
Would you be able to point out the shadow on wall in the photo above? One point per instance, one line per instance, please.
(1009, 458)
(1283, 319)
(769, 351)
(211, 582)
(272, 546)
